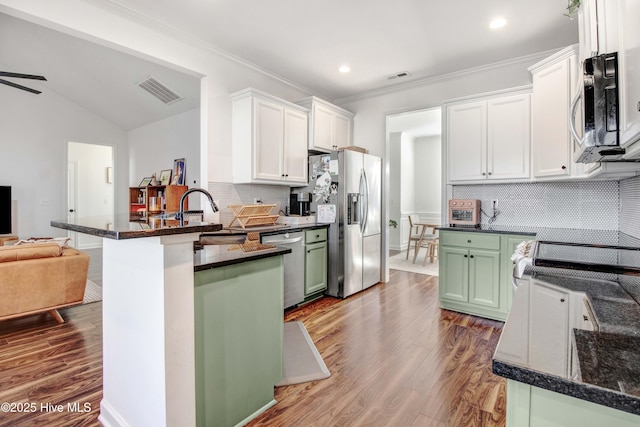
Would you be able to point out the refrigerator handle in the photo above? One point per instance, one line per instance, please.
(364, 185)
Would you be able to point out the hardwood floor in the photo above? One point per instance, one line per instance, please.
(395, 359)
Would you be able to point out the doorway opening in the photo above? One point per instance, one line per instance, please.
(415, 183)
(90, 188)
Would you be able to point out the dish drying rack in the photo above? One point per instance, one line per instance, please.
(253, 215)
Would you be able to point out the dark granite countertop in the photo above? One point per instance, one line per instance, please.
(606, 360)
(214, 256)
(498, 229)
(123, 227)
(265, 230)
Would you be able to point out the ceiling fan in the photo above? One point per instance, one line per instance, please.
(20, 76)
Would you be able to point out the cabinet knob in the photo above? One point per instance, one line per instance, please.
(489, 173)
(483, 174)
(465, 256)
(585, 318)
(561, 299)
(563, 167)
(468, 241)
(470, 256)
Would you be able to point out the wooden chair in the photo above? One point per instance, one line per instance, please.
(432, 245)
(418, 236)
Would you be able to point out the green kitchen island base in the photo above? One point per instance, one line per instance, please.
(530, 406)
(239, 318)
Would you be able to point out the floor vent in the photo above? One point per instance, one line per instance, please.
(399, 75)
(159, 90)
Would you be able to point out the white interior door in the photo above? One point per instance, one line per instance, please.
(72, 201)
(91, 193)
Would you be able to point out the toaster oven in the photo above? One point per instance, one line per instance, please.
(464, 212)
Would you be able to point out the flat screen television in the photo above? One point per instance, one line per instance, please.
(5, 209)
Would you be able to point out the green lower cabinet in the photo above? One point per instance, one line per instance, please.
(475, 272)
(529, 406)
(238, 340)
(315, 277)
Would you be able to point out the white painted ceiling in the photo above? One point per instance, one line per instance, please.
(301, 41)
(417, 124)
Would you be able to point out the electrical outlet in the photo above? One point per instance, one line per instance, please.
(494, 203)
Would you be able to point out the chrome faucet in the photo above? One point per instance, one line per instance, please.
(194, 190)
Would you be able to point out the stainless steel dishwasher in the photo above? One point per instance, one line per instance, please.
(293, 265)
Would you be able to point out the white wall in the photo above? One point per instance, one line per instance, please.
(95, 196)
(154, 147)
(34, 132)
(428, 179)
(407, 174)
(395, 185)
(221, 75)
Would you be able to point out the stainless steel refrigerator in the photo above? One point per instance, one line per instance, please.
(347, 192)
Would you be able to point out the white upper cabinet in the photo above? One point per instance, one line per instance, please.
(554, 84)
(467, 141)
(330, 126)
(598, 27)
(488, 138)
(269, 139)
(629, 75)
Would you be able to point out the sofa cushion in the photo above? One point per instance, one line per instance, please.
(35, 251)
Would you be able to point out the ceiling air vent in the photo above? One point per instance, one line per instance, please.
(159, 90)
(399, 75)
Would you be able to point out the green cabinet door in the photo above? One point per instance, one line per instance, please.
(238, 340)
(484, 278)
(315, 278)
(529, 406)
(454, 274)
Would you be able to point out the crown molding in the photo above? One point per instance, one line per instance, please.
(119, 10)
(527, 59)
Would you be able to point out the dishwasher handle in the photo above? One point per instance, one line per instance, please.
(284, 241)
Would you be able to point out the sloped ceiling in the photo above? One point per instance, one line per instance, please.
(299, 41)
(95, 77)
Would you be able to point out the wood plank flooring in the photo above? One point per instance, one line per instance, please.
(395, 359)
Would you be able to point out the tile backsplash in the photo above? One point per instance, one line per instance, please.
(630, 206)
(244, 194)
(586, 204)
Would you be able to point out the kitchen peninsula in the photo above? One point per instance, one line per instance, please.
(151, 352)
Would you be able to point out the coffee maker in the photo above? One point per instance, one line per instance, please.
(300, 203)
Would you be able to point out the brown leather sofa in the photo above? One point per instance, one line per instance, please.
(41, 277)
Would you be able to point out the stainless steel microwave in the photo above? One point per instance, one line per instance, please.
(600, 141)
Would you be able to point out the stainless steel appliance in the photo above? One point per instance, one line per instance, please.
(293, 274)
(300, 203)
(464, 212)
(600, 141)
(347, 193)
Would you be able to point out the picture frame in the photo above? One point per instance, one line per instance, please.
(145, 182)
(165, 177)
(179, 172)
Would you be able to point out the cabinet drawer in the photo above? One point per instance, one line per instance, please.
(470, 239)
(312, 236)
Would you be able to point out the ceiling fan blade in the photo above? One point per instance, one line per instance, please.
(17, 86)
(21, 76)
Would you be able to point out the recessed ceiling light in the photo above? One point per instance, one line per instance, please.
(497, 23)
(344, 69)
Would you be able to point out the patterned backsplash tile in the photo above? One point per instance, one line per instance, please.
(593, 205)
(244, 194)
(630, 206)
